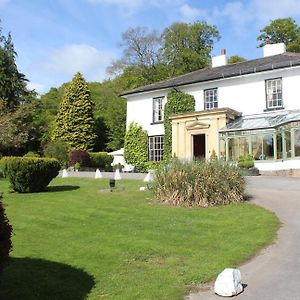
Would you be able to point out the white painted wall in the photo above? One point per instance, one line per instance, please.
(245, 94)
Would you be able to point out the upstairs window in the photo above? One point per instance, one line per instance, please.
(158, 109)
(210, 98)
(274, 93)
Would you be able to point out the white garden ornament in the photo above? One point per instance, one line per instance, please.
(228, 283)
(98, 174)
(117, 175)
(64, 173)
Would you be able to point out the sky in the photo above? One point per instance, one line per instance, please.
(56, 38)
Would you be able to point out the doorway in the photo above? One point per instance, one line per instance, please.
(199, 146)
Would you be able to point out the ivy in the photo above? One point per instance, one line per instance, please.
(136, 146)
(178, 102)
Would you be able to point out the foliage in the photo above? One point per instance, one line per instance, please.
(13, 84)
(236, 59)
(31, 154)
(198, 183)
(27, 175)
(246, 162)
(187, 47)
(79, 156)
(136, 146)
(74, 121)
(59, 150)
(5, 236)
(283, 30)
(18, 130)
(101, 160)
(177, 102)
(126, 235)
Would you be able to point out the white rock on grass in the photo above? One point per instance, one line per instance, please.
(228, 283)
(98, 174)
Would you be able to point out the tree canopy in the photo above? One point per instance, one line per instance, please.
(75, 120)
(283, 30)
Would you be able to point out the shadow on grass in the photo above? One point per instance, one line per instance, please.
(61, 188)
(37, 279)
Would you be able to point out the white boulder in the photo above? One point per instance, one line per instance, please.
(228, 283)
(98, 174)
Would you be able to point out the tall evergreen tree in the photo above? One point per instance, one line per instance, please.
(74, 121)
(13, 89)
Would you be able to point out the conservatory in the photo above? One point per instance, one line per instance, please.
(268, 137)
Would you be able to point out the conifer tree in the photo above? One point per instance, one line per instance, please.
(74, 120)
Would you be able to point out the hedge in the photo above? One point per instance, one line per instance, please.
(5, 236)
(101, 160)
(27, 175)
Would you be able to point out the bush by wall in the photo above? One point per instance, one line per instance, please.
(79, 156)
(178, 102)
(31, 154)
(101, 160)
(28, 175)
(5, 236)
(136, 147)
(59, 150)
(246, 162)
(198, 183)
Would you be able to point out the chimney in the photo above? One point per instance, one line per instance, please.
(220, 60)
(273, 49)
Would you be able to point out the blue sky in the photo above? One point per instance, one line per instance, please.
(55, 39)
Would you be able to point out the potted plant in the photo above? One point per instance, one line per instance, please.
(246, 163)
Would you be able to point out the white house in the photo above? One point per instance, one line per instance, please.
(249, 107)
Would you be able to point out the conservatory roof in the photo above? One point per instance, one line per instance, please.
(262, 121)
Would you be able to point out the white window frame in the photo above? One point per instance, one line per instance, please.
(210, 98)
(156, 147)
(274, 93)
(158, 109)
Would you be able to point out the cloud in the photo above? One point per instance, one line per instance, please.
(130, 6)
(83, 58)
(189, 13)
(39, 88)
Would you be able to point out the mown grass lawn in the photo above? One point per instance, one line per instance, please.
(75, 242)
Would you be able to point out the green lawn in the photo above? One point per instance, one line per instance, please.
(74, 242)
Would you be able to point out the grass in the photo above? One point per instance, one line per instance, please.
(75, 242)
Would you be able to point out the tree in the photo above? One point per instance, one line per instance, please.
(74, 121)
(187, 47)
(13, 90)
(178, 102)
(284, 30)
(236, 59)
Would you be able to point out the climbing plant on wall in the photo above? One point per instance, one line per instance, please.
(136, 146)
(178, 102)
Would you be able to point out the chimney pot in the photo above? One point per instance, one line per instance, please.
(223, 51)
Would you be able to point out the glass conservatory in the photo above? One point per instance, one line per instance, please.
(267, 137)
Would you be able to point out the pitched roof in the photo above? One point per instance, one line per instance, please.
(279, 61)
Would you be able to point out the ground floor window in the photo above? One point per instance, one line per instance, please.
(266, 144)
(156, 147)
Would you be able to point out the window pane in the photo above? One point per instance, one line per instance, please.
(268, 147)
(274, 93)
(156, 148)
(288, 144)
(233, 149)
(297, 142)
(256, 147)
(158, 109)
(210, 99)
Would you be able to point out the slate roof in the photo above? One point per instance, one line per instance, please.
(279, 61)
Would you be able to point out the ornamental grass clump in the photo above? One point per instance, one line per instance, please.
(198, 183)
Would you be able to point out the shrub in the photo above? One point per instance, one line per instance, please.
(79, 156)
(101, 160)
(5, 236)
(59, 150)
(198, 183)
(31, 154)
(136, 147)
(246, 162)
(28, 175)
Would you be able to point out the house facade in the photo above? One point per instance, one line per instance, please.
(251, 107)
